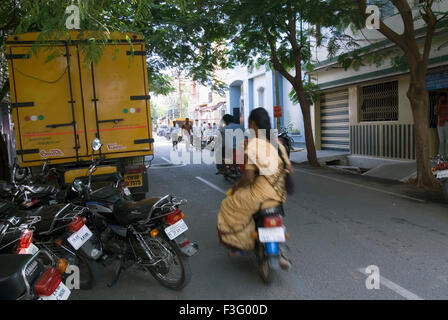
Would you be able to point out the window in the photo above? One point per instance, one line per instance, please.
(387, 9)
(379, 102)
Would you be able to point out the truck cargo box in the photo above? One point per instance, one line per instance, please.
(59, 106)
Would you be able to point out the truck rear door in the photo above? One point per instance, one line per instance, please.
(43, 104)
(121, 101)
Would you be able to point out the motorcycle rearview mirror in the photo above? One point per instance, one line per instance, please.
(77, 185)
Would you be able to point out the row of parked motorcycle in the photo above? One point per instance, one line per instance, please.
(53, 241)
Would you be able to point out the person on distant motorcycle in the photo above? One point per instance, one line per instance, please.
(262, 185)
(229, 125)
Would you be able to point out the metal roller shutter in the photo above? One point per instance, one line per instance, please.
(335, 129)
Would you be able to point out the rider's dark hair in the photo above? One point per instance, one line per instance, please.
(228, 118)
(261, 118)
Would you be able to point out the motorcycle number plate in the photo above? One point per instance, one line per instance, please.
(442, 174)
(32, 249)
(176, 229)
(80, 237)
(61, 293)
(271, 234)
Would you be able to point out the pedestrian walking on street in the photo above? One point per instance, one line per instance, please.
(441, 110)
(175, 135)
(186, 133)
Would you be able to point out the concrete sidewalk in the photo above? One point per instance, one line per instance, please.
(323, 156)
(388, 169)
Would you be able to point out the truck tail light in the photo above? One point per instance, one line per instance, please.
(273, 221)
(139, 169)
(174, 217)
(48, 282)
(76, 224)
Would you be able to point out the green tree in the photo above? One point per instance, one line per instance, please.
(177, 33)
(279, 32)
(410, 53)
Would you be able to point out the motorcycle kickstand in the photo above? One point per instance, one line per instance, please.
(117, 273)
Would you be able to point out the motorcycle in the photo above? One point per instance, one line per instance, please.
(270, 236)
(59, 229)
(149, 234)
(26, 272)
(286, 140)
(31, 277)
(26, 194)
(440, 171)
(208, 140)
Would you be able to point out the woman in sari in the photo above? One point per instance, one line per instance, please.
(262, 185)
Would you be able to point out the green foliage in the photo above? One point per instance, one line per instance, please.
(312, 93)
(351, 54)
(179, 34)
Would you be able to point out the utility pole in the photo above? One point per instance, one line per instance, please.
(180, 98)
(277, 96)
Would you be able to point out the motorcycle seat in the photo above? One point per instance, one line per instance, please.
(128, 212)
(273, 211)
(12, 283)
(47, 215)
(42, 190)
(106, 194)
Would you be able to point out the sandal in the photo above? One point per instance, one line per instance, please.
(284, 262)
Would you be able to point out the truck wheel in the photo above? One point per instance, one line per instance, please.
(445, 190)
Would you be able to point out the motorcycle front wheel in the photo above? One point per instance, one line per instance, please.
(174, 270)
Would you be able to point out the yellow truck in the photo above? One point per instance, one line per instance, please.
(60, 105)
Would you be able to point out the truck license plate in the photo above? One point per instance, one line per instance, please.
(134, 180)
(271, 234)
(176, 229)
(80, 237)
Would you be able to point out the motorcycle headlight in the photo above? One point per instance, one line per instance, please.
(77, 185)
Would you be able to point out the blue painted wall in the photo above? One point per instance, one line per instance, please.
(235, 94)
(251, 95)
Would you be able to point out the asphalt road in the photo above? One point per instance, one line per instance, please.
(339, 224)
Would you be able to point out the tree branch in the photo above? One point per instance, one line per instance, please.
(274, 57)
(384, 29)
(431, 21)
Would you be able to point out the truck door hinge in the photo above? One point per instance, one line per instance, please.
(144, 97)
(22, 104)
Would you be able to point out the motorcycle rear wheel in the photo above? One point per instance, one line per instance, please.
(180, 262)
(262, 263)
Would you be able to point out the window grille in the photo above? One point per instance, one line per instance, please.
(380, 102)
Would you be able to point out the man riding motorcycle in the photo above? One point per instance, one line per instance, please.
(229, 128)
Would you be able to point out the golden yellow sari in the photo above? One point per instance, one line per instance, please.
(235, 223)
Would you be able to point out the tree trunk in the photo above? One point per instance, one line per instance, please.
(418, 97)
(309, 139)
